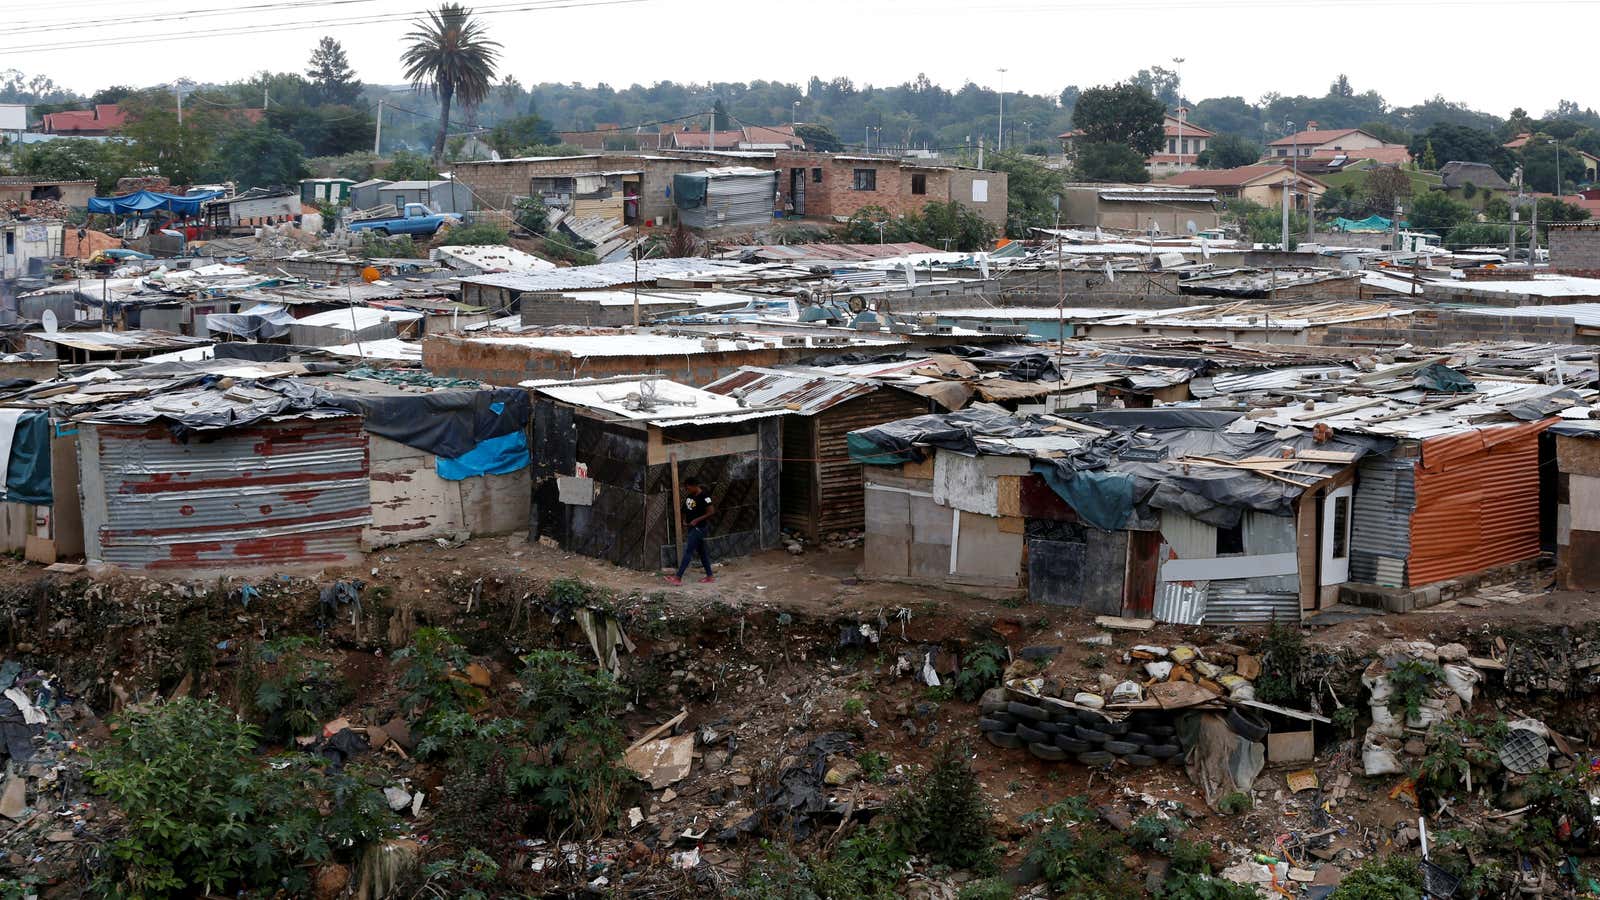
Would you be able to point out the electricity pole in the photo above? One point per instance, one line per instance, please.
(1000, 139)
(377, 136)
(1177, 77)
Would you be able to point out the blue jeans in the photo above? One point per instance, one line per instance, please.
(695, 542)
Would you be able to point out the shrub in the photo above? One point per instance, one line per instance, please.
(575, 771)
(944, 814)
(482, 233)
(1390, 878)
(531, 215)
(295, 691)
(204, 815)
(377, 246)
(981, 669)
(432, 694)
(866, 865)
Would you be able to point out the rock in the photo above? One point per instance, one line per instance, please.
(398, 798)
(1247, 666)
(1452, 653)
(843, 772)
(14, 802)
(478, 676)
(1415, 747)
(740, 780)
(715, 759)
(331, 880)
(60, 837)
(669, 795)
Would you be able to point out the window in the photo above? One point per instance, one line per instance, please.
(1230, 540)
(11, 243)
(1341, 527)
(866, 180)
(1172, 145)
(980, 190)
(919, 184)
(816, 176)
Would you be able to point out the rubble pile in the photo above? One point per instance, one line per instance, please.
(35, 209)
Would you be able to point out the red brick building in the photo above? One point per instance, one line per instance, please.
(835, 186)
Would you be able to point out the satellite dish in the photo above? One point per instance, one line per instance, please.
(857, 304)
(48, 319)
(803, 297)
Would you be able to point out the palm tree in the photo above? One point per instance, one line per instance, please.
(451, 58)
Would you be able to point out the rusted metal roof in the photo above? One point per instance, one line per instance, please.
(806, 393)
(273, 495)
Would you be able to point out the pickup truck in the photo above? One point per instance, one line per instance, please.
(418, 221)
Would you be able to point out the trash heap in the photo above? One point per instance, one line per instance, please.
(1411, 686)
(1059, 732)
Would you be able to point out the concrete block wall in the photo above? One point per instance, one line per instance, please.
(1434, 328)
(571, 311)
(1575, 248)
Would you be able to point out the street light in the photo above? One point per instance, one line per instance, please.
(1177, 78)
(1000, 139)
(794, 117)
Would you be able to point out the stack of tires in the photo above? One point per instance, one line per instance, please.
(1058, 734)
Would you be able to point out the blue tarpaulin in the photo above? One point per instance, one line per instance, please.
(1103, 499)
(149, 201)
(496, 456)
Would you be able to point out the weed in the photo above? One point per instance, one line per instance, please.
(777, 874)
(569, 592)
(1083, 863)
(1460, 752)
(467, 235)
(1234, 803)
(944, 815)
(1075, 808)
(576, 731)
(1284, 663)
(941, 693)
(854, 707)
(981, 669)
(1389, 878)
(986, 889)
(295, 691)
(203, 815)
(1012, 602)
(465, 878)
(1095, 661)
(867, 864)
(874, 766)
(1345, 718)
(1412, 681)
(1202, 886)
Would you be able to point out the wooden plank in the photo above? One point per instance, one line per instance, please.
(1010, 495)
(685, 451)
(1013, 524)
(677, 505)
(1118, 623)
(1326, 456)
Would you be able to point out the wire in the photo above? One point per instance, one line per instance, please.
(229, 31)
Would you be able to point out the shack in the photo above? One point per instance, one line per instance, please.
(1178, 514)
(336, 327)
(254, 208)
(725, 197)
(610, 456)
(820, 486)
(1577, 447)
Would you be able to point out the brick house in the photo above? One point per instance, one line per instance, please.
(641, 182)
(836, 186)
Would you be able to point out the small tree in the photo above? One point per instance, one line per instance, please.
(951, 225)
(330, 74)
(509, 138)
(1110, 162)
(1435, 211)
(1229, 151)
(259, 157)
(1121, 114)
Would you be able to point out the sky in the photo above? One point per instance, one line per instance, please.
(1229, 47)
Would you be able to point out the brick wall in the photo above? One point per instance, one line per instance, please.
(835, 195)
(1434, 328)
(1575, 249)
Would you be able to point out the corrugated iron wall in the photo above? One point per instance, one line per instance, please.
(838, 478)
(277, 494)
(1477, 502)
(1380, 527)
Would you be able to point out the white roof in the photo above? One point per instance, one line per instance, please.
(494, 258)
(1586, 314)
(668, 398)
(387, 348)
(1050, 313)
(412, 185)
(598, 345)
(357, 317)
(1538, 285)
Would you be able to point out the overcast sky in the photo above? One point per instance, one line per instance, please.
(1408, 50)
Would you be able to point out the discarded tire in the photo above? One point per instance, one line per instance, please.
(1095, 758)
(1176, 760)
(1115, 728)
(1072, 744)
(1033, 736)
(1159, 731)
(1051, 728)
(1047, 751)
(994, 700)
(1121, 748)
(1139, 759)
(1247, 725)
(1003, 739)
(1090, 718)
(1002, 716)
(1136, 737)
(1090, 735)
(987, 724)
(1026, 712)
(1162, 751)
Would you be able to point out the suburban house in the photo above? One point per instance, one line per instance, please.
(750, 137)
(1456, 175)
(1141, 207)
(1263, 183)
(827, 185)
(1185, 141)
(103, 120)
(1334, 142)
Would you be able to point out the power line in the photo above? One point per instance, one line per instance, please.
(230, 31)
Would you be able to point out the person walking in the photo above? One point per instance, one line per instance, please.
(697, 511)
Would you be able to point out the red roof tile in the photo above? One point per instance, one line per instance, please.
(1314, 137)
(1230, 178)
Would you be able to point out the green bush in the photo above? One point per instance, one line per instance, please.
(377, 246)
(866, 865)
(944, 814)
(531, 215)
(437, 700)
(575, 772)
(480, 234)
(204, 814)
(294, 691)
(1389, 878)
(980, 670)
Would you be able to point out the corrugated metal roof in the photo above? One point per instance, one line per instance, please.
(1477, 502)
(112, 341)
(656, 400)
(1585, 314)
(607, 275)
(804, 392)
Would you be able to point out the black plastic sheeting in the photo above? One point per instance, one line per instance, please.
(945, 431)
(444, 423)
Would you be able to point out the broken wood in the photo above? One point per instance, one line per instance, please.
(658, 731)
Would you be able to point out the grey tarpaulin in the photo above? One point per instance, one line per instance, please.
(689, 191)
(946, 431)
(211, 407)
(1536, 408)
(445, 423)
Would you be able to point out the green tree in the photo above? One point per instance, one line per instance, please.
(1539, 161)
(1460, 143)
(954, 226)
(1104, 161)
(1384, 187)
(451, 57)
(1435, 211)
(330, 74)
(1124, 114)
(408, 166)
(74, 159)
(819, 137)
(872, 224)
(258, 157)
(508, 138)
(1032, 190)
(1430, 160)
(1229, 151)
(160, 144)
(719, 116)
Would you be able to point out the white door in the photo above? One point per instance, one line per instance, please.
(1336, 514)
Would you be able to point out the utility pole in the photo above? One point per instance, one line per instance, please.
(1000, 139)
(1286, 201)
(1177, 77)
(266, 97)
(1533, 237)
(377, 136)
(1394, 227)
(980, 151)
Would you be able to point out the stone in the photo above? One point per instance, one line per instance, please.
(60, 837)
(1247, 666)
(478, 675)
(669, 795)
(740, 780)
(331, 881)
(842, 773)
(397, 798)
(14, 802)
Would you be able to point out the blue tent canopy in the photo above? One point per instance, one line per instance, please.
(149, 201)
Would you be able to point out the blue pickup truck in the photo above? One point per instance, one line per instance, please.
(418, 221)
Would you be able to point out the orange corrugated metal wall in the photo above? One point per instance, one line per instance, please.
(1477, 502)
